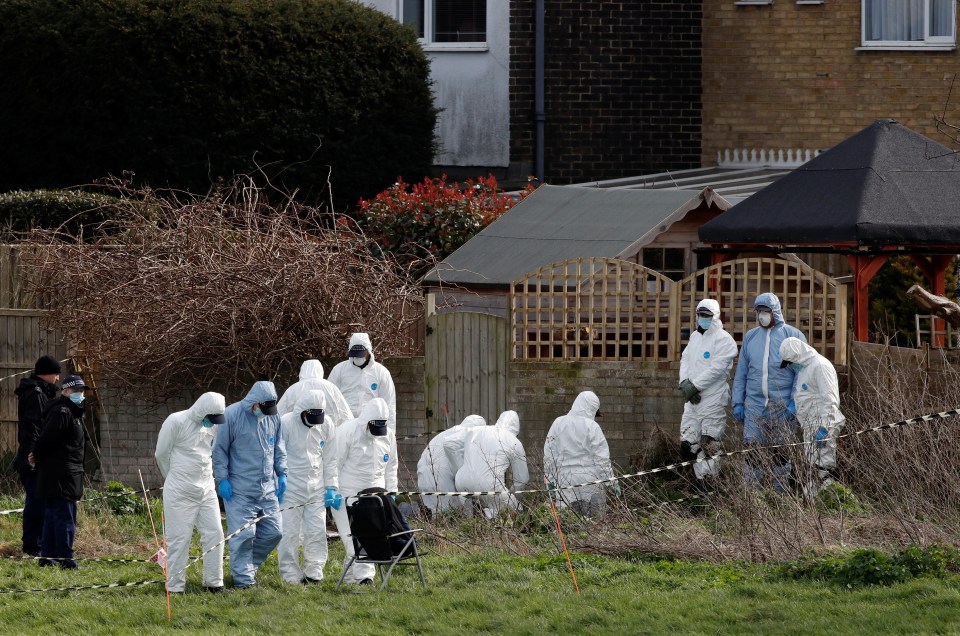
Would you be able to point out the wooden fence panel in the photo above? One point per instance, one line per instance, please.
(813, 302)
(465, 367)
(593, 308)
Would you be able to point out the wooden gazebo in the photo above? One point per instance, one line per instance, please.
(884, 191)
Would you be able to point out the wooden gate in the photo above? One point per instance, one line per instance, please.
(22, 341)
(465, 367)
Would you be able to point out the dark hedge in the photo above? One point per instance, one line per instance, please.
(69, 210)
(185, 92)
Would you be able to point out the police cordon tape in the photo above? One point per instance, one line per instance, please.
(923, 418)
(19, 373)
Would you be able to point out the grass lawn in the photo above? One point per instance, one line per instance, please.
(484, 592)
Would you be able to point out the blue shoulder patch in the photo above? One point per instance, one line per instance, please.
(386, 457)
(706, 354)
(373, 387)
(803, 386)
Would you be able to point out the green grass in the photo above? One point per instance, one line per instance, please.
(487, 592)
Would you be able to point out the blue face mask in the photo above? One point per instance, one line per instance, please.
(206, 423)
(258, 412)
(796, 366)
(76, 398)
(703, 322)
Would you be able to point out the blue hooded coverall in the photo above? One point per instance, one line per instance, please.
(766, 420)
(249, 451)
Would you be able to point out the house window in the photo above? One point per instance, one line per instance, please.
(669, 261)
(894, 24)
(447, 22)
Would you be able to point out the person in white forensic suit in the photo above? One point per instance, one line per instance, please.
(705, 383)
(437, 468)
(361, 378)
(488, 452)
(817, 399)
(576, 452)
(311, 379)
(365, 451)
(308, 433)
(184, 449)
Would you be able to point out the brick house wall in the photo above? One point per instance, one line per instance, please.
(786, 75)
(622, 88)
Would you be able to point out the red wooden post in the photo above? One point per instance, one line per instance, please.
(864, 268)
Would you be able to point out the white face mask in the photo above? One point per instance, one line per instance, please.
(765, 318)
(358, 362)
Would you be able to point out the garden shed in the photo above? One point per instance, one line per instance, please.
(653, 228)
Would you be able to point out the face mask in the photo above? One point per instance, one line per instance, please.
(205, 423)
(76, 398)
(378, 428)
(312, 417)
(765, 318)
(258, 413)
(358, 362)
(703, 322)
(796, 366)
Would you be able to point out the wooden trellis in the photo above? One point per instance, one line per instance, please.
(811, 301)
(609, 309)
(593, 308)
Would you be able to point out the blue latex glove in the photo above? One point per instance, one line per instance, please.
(225, 490)
(821, 436)
(792, 408)
(394, 497)
(615, 489)
(332, 499)
(738, 412)
(281, 487)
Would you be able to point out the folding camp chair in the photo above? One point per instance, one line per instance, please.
(379, 537)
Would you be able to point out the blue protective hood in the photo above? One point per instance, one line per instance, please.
(262, 391)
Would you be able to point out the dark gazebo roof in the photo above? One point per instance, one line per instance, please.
(886, 185)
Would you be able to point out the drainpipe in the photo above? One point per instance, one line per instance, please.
(539, 116)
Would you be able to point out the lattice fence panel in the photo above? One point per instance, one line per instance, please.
(812, 301)
(593, 308)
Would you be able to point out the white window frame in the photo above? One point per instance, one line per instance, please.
(428, 31)
(934, 43)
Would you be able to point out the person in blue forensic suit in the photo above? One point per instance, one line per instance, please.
(762, 395)
(250, 466)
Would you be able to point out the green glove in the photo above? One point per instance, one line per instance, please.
(689, 391)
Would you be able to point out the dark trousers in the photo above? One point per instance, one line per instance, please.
(59, 529)
(32, 514)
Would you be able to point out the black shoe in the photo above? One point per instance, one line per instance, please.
(366, 582)
(244, 587)
(69, 565)
(31, 553)
(45, 563)
(213, 590)
(309, 581)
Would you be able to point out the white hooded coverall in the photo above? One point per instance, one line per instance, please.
(183, 454)
(308, 473)
(437, 470)
(488, 452)
(706, 361)
(817, 397)
(363, 461)
(311, 379)
(359, 385)
(577, 452)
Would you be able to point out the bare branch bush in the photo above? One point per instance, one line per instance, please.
(184, 292)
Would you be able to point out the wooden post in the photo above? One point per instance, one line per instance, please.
(864, 268)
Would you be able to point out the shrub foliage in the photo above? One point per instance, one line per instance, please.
(184, 93)
(70, 210)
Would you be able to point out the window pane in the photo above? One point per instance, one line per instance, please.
(460, 20)
(673, 259)
(413, 15)
(941, 17)
(653, 258)
(898, 20)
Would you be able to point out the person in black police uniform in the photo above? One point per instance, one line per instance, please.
(33, 395)
(58, 455)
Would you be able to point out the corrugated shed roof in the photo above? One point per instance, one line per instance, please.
(556, 223)
(886, 185)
